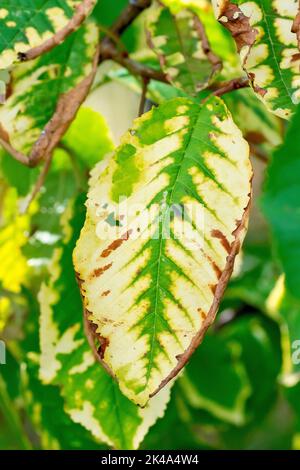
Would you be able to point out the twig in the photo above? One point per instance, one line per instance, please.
(136, 68)
(143, 96)
(231, 85)
(81, 12)
(39, 183)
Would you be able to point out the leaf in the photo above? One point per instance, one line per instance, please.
(29, 29)
(281, 204)
(13, 268)
(46, 95)
(268, 48)
(53, 425)
(152, 279)
(183, 49)
(91, 396)
(285, 309)
(89, 131)
(258, 125)
(223, 390)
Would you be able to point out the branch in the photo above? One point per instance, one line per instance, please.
(231, 85)
(136, 68)
(39, 182)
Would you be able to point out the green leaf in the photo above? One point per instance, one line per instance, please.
(285, 309)
(258, 125)
(181, 44)
(165, 218)
(268, 48)
(88, 137)
(53, 426)
(46, 95)
(223, 390)
(281, 204)
(28, 29)
(91, 396)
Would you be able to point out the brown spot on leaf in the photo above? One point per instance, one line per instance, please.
(99, 271)
(105, 293)
(104, 342)
(225, 243)
(202, 313)
(115, 244)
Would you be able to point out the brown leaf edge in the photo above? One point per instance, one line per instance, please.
(66, 109)
(215, 61)
(98, 343)
(238, 24)
(82, 11)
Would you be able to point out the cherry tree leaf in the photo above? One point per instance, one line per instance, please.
(268, 47)
(46, 94)
(28, 29)
(165, 219)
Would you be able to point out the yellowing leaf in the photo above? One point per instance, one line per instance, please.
(268, 48)
(165, 219)
(46, 94)
(91, 396)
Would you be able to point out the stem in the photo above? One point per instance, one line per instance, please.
(231, 85)
(143, 96)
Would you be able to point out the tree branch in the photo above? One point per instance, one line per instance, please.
(231, 85)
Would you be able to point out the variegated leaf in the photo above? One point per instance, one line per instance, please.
(30, 28)
(268, 48)
(92, 398)
(165, 219)
(46, 94)
(183, 49)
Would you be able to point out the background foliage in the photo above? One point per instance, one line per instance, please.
(240, 389)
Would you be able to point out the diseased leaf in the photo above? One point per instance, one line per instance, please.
(30, 28)
(46, 94)
(92, 398)
(281, 204)
(268, 48)
(165, 219)
(183, 49)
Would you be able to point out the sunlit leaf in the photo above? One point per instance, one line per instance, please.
(165, 218)
(268, 48)
(28, 29)
(46, 94)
